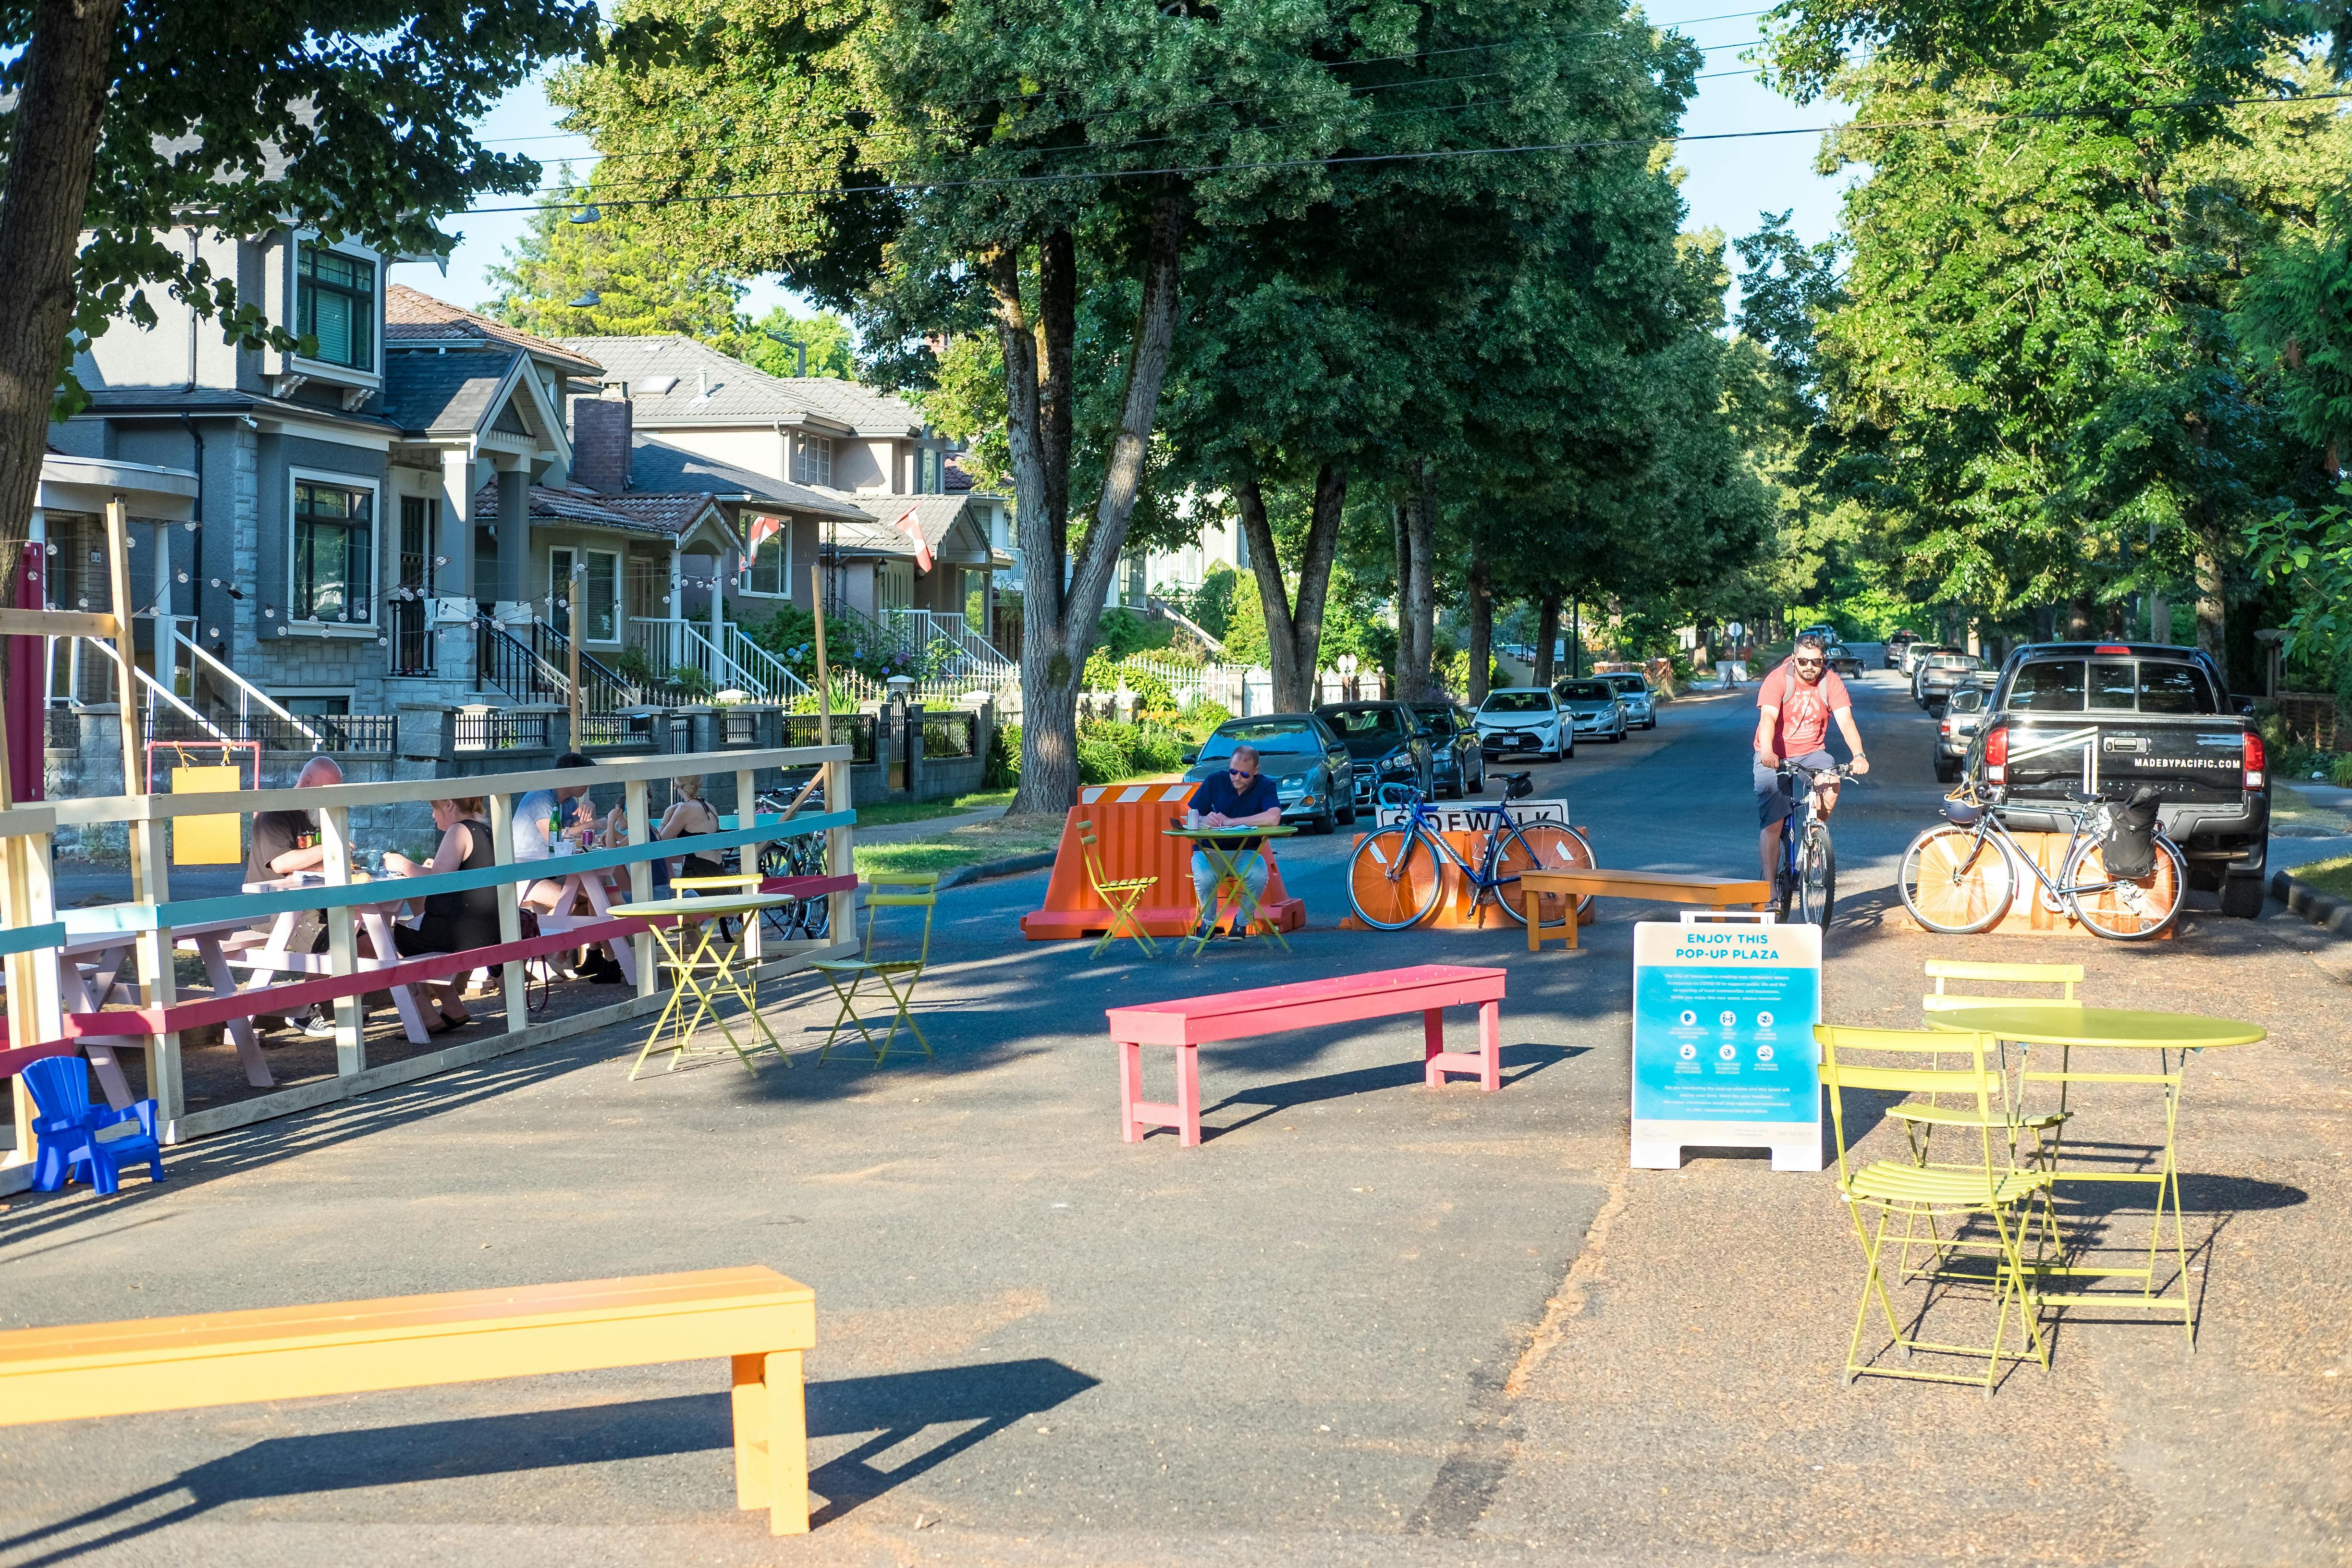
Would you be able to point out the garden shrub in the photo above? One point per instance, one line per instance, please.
(1003, 770)
(2341, 772)
(1101, 758)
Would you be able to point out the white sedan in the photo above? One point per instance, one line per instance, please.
(1520, 719)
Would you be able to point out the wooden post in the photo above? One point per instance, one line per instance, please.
(150, 875)
(342, 942)
(747, 815)
(641, 879)
(840, 860)
(26, 899)
(824, 682)
(516, 986)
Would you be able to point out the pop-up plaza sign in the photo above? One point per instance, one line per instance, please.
(1723, 1041)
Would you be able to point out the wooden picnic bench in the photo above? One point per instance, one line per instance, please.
(756, 1318)
(1195, 1021)
(1661, 887)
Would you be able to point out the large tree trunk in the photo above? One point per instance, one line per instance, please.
(1482, 625)
(1059, 623)
(2081, 613)
(2212, 590)
(1546, 636)
(1293, 636)
(51, 159)
(1417, 588)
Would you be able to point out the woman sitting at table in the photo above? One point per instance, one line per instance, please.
(689, 814)
(453, 922)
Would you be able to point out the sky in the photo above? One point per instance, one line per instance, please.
(1727, 184)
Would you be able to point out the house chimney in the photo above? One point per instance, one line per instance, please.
(601, 431)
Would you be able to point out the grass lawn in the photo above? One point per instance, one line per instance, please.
(923, 810)
(966, 846)
(2327, 876)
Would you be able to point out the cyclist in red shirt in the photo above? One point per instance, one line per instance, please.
(1793, 709)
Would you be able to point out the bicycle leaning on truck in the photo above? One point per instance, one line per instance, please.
(1397, 873)
(2123, 878)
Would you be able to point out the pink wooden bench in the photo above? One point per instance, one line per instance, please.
(1426, 989)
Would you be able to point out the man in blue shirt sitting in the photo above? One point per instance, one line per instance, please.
(1241, 797)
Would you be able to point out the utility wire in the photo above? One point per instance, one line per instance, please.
(1277, 164)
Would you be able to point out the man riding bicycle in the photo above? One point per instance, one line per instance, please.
(1794, 706)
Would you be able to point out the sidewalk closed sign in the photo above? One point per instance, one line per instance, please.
(1473, 819)
(1723, 1041)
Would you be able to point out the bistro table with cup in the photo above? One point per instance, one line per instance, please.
(2038, 1028)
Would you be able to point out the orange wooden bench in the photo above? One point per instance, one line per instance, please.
(1195, 1021)
(757, 1318)
(1663, 887)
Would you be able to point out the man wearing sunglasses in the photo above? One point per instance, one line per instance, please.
(1241, 797)
(1794, 706)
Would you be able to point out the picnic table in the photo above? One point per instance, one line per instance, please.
(90, 966)
(2067, 1028)
(1229, 850)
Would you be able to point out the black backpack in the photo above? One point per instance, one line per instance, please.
(2129, 851)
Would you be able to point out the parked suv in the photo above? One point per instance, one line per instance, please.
(1939, 675)
(1594, 706)
(1524, 718)
(1896, 644)
(2147, 714)
(1388, 744)
(1455, 761)
(1633, 691)
(1313, 774)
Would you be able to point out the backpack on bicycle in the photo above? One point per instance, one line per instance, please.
(2130, 849)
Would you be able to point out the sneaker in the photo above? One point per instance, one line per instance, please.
(318, 1026)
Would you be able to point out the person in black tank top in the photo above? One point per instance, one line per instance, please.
(452, 922)
(687, 815)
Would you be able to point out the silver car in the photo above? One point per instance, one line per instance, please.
(1524, 719)
(1633, 691)
(1594, 706)
(1963, 715)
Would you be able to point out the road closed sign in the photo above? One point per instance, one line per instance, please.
(1723, 1041)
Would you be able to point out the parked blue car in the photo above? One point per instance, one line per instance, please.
(1633, 691)
(1594, 706)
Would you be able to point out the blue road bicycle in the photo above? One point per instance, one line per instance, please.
(1805, 884)
(1397, 874)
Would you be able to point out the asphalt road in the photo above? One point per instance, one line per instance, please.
(1363, 1323)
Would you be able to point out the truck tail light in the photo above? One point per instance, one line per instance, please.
(2254, 759)
(1996, 756)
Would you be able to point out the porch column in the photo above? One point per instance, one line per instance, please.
(719, 605)
(514, 541)
(453, 578)
(676, 649)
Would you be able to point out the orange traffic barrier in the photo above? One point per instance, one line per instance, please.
(1131, 832)
(2029, 913)
(1457, 905)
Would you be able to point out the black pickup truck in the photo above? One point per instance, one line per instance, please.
(2114, 716)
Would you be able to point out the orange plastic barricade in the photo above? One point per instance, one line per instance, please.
(2029, 913)
(1130, 823)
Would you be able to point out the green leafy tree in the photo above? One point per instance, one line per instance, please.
(823, 341)
(642, 288)
(127, 120)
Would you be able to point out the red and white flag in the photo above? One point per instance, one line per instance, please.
(763, 529)
(909, 525)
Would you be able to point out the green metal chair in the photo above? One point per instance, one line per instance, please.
(1120, 897)
(1990, 1190)
(896, 976)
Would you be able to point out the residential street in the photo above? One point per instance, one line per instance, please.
(1362, 1324)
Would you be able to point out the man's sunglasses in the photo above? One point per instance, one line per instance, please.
(1806, 663)
(1241, 772)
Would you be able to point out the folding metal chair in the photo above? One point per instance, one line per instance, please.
(896, 977)
(1988, 1190)
(1120, 897)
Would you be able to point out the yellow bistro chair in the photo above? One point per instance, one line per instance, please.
(1988, 1189)
(1119, 897)
(896, 976)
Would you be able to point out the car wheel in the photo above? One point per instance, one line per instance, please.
(1327, 823)
(1478, 785)
(1947, 770)
(2241, 897)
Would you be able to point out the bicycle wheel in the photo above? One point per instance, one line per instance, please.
(1393, 878)
(1952, 884)
(1540, 846)
(1816, 877)
(2125, 911)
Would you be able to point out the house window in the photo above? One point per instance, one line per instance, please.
(335, 302)
(596, 593)
(816, 460)
(771, 569)
(334, 552)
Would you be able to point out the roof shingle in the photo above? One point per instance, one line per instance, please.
(413, 316)
(699, 385)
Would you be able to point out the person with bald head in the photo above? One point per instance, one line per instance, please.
(285, 843)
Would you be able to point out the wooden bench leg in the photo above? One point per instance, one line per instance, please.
(1130, 1091)
(788, 1493)
(1188, 1095)
(751, 1405)
(1433, 1046)
(1490, 1039)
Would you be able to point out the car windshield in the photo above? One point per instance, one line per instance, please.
(1586, 691)
(1517, 702)
(1629, 683)
(1268, 735)
(1439, 719)
(1365, 723)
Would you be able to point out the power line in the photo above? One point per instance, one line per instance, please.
(1277, 164)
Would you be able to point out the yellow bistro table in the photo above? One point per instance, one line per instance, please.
(1229, 850)
(704, 961)
(2067, 1028)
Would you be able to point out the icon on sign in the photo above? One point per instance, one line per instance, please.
(1689, 1017)
(1728, 1053)
(1763, 1020)
(1689, 1052)
(1763, 1053)
(1730, 1020)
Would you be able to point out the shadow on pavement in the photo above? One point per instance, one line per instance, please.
(898, 1408)
(1518, 1062)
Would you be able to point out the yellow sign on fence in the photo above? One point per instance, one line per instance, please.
(206, 840)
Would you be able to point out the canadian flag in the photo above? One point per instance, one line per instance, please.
(907, 525)
(763, 529)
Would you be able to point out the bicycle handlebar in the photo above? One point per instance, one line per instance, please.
(1787, 769)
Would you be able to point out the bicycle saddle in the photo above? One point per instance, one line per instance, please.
(1516, 785)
